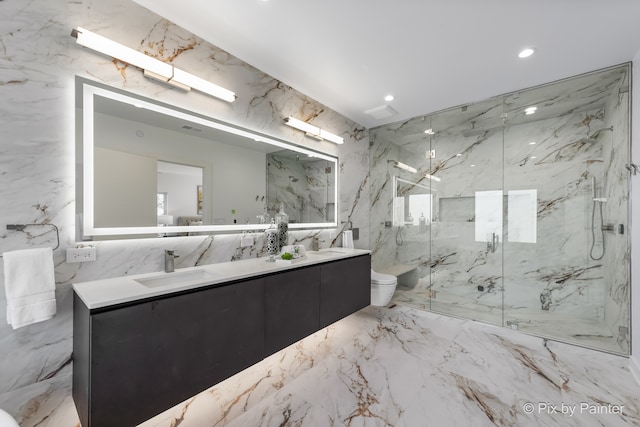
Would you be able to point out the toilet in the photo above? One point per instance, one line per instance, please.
(7, 420)
(382, 288)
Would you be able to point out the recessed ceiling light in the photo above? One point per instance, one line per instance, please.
(429, 131)
(530, 110)
(532, 143)
(525, 53)
(533, 157)
(459, 154)
(473, 166)
(389, 98)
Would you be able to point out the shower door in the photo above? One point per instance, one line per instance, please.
(514, 210)
(566, 249)
(466, 274)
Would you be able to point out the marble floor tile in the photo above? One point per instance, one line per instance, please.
(402, 367)
(592, 333)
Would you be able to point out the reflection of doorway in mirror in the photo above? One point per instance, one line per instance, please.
(184, 185)
(162, 204)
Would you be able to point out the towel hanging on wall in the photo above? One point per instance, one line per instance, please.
(30, 286)
(347, 239)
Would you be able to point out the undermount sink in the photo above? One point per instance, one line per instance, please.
(177, 278)
(326, 253)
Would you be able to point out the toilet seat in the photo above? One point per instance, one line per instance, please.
(383, 279)
(382, 288)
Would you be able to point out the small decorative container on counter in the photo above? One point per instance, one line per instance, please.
(282, 219)
(272, 241)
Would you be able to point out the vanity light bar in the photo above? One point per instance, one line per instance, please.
(406, 167)
(432, 177)
(331, 137)
(151, 67)
(313, 131)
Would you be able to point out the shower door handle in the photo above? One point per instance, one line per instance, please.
(492, 245)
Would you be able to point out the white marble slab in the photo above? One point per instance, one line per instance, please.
(123, 289)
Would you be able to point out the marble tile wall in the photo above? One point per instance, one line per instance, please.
(38, 62)
(475, 153)
(303, 187)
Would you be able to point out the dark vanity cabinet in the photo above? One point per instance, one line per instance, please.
(292, 307)
(338, 300)
(135, 360)
(151, 355)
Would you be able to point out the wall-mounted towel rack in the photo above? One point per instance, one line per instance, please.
(21, 227)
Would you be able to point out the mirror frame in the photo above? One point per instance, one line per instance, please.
(86, 90)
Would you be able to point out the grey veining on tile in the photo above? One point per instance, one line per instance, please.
(399, 367)
(403, 366)
(38, 65)
(546, 282)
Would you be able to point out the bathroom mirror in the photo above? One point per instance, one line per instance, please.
(412, 202)
(149, 169)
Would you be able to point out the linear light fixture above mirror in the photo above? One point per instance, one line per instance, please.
(404, 166)
(152, 68)
(313, 131)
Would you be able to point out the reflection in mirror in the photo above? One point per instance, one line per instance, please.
(303, 184)
(150, 169)
(412, 203)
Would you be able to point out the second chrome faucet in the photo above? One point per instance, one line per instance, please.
(169, 257)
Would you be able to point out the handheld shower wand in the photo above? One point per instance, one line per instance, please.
(600, 202)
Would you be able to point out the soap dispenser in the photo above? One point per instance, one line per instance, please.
(422, 222)
(272, 241)
(282, 219)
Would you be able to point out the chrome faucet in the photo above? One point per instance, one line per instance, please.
(169, 256)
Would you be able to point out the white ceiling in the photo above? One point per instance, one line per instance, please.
(431, 55)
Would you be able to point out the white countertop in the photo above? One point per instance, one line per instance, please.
(118, 290)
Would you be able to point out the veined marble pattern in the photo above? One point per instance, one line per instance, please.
(39, 62)
(405, 367)
(302, 185)
(556, 155)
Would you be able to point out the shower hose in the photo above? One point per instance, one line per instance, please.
(593, 231)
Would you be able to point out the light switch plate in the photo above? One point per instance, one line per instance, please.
(81, 254)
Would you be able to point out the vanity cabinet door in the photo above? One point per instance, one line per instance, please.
(292, 307)
(345, 287)
(150, 356)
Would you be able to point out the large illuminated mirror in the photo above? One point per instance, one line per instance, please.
(150, 169)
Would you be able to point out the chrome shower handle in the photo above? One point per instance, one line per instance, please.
(492, 244)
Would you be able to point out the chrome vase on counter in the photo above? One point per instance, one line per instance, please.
(282, 219)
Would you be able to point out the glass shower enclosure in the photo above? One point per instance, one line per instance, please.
(514, 210)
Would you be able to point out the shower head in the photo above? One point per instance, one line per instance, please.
(594, 136)
(587, 140)
(467, 133)
(597, 133)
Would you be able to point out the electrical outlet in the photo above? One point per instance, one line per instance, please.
(81, 254)
(431, 154)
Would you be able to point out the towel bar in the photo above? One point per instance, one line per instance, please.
(21, 227)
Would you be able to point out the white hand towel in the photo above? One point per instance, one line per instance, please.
(347, 239)
(30, 286)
